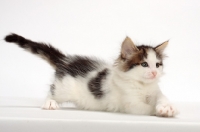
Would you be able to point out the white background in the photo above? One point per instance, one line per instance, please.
(97, 28)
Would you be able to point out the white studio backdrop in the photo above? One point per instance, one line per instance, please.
(97, 28)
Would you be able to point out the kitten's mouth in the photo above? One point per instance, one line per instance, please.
(151, 78)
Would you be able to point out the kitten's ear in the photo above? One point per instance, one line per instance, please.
(128, 48)
(160, 48)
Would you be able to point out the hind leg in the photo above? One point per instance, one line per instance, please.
(50, 103)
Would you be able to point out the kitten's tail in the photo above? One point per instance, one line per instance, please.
(45, 51)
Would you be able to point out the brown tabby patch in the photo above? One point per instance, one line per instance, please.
(137, 58)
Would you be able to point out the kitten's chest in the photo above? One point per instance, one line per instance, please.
(144, 95)
(148, 96)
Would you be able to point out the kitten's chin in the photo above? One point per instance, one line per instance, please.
(150, 80)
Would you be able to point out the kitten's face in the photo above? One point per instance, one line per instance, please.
(148, 70)
(141, 63)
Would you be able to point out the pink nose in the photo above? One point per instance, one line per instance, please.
(154, 73)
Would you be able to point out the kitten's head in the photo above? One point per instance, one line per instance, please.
(142, 63)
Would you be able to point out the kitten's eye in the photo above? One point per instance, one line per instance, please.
(158, 65)
(144, 64)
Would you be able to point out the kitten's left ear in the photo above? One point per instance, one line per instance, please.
(128, 48)
(160, 48)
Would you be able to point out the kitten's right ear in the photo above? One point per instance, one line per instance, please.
(128, 48)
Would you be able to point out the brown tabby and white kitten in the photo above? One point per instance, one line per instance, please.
(130, 85)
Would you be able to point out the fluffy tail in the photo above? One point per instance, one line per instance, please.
(46, 51)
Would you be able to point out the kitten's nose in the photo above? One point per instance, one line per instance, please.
(154, 73)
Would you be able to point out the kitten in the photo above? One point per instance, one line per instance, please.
(128, 86)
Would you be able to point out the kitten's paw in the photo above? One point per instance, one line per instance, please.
(50, 105)
(166, 110)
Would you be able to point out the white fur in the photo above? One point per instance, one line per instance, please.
(135, 91)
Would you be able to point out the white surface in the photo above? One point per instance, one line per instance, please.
(92, 27)
(36, 120)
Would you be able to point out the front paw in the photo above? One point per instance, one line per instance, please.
(166, 110)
